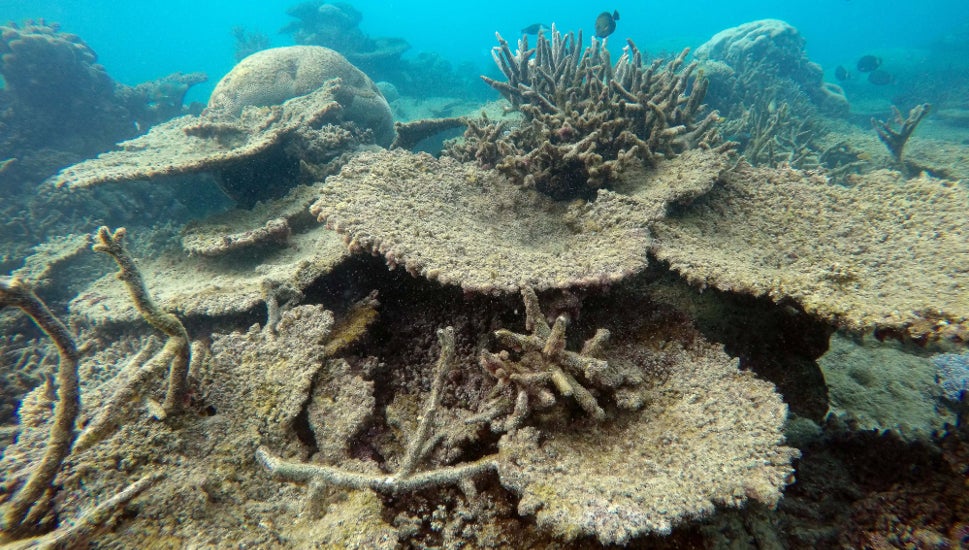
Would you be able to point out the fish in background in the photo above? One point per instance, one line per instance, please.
(869, 63)
(881, 77)
(535, 28)
(841, 73)
(606, 23)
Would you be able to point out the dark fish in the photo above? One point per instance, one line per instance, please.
(606, 23)
(535, 28)
(842, 74)
(879, 77)
(869, 63)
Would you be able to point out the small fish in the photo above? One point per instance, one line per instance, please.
(535, 28)
(869, 63)
(879, 77)
(841, 73)
(606, 23)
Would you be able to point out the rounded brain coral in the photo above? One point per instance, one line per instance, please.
(273, 76)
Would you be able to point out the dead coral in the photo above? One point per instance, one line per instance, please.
(884, 253)
(28, 500)
(262, 125)
(177, 348)
(407, 478)
(895, 140)
(544, 361)
(585, 119)
(707, 435)
(459, 224)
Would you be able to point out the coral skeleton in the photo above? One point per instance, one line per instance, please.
(177, 350)
(544, 362)
(28, 504)
(407, 478)
(584, 119)
(895, 140)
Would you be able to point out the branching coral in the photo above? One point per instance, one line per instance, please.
(177, 347)
(29, 503)
(545, 361)
(584, 119)
(407, 478)
(895, 140)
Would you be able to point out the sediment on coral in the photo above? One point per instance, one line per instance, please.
(883, 253)
(265, 129)
(584, 119)
(27, 500)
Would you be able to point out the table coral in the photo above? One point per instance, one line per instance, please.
(707, 435)
(458, 224)
(260, 131)
(885, 253)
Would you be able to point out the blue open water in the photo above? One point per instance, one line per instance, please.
(139, 40)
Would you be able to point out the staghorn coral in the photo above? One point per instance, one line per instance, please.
(544, 361)
(177, 348)
(406, 478)
(895, 139)
(885, 253)
(27, 500)
(585, 120)
(705, 435)
(261, 130)
(459, 224)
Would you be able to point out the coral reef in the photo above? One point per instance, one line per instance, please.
(59, 102)
(882, 254)
(336, 25)
(262, 127)
(772, 95)
(584, 119)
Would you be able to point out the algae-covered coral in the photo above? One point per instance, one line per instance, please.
(534, 370)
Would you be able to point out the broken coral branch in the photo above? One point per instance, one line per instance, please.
(896, 140)
(23, 512)
(177, 347)
(407, 479)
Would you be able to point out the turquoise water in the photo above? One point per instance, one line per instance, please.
(139, 40)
